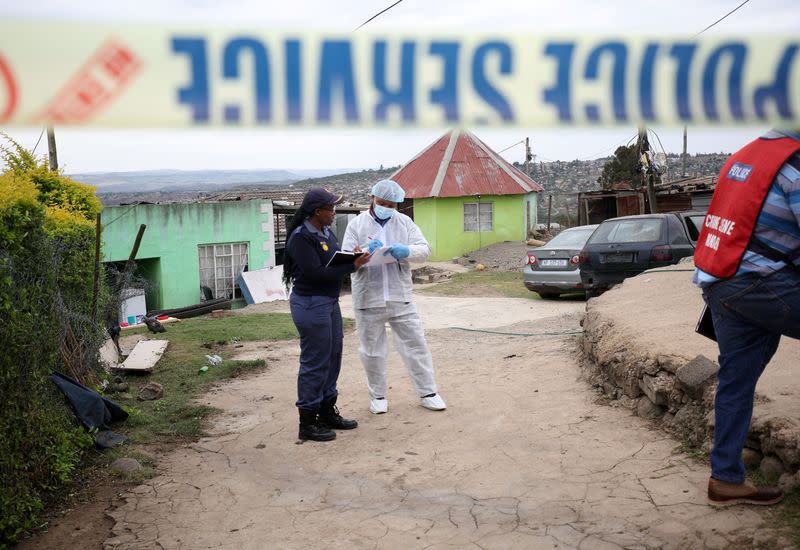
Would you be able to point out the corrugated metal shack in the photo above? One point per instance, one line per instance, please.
(687, 194)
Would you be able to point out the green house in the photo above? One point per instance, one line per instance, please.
(191, 251)
(464, 196)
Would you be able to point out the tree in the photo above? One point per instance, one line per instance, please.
(623, 167)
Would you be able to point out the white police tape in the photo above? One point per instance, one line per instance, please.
(135, 76)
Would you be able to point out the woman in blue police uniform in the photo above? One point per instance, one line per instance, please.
(315, 310)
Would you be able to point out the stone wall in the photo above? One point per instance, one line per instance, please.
(677, 395)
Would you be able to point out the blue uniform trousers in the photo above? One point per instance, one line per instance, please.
(750, 313)
(319, 321)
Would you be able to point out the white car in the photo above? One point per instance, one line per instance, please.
(552, 270)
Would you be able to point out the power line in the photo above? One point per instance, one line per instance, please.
(612, 148)
(377, 14)
(38, 140)
(723, 17)
(118, 217)
(510, 146)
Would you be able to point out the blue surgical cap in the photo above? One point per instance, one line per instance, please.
(388, 190)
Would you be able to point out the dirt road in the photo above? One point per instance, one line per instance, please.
(524, 457)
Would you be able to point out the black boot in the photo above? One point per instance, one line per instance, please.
(329, 416)
(310, 427)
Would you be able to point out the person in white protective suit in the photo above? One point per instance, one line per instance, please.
(382, 294)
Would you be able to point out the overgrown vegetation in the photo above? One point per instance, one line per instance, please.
(46, 263)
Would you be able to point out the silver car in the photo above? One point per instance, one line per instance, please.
(552, 270)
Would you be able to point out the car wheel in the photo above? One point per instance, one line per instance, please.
(549, 295)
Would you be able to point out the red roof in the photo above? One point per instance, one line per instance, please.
(458, 164)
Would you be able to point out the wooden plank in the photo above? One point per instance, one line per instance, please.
(144, 356)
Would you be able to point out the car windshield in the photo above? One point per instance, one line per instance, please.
(639, 230)
(574, 238)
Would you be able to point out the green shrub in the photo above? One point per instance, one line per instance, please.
(46, 269)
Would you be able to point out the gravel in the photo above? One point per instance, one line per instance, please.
(504, 256)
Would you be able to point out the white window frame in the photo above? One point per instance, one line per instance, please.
(480, 219)
(220, 264)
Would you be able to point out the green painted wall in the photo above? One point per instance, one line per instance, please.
(173, 234)
(442, 223)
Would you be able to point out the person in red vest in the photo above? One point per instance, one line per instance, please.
(747, 266)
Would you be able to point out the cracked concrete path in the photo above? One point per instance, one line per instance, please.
(524, 457)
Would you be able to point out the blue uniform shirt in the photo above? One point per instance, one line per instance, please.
(311, 249)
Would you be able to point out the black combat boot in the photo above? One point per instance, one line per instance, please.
(330, 418)
(310, 427)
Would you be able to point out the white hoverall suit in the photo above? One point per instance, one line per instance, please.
(382, 294)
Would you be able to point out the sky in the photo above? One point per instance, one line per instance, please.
(99, 150)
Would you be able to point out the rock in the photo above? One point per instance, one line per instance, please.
(751, 457)
(668, 364)
(788, 482)
(480, 267)
(151, 391)
(690, 422)
(711, 420)
(657, 388)
(119, 385)
(789, 454)
(651, 368)
(647, 409)
(771, 468)
(535, 242)
(609, 389)
(125, 465)
(694, 374)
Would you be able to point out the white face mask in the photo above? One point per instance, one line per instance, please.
(382, 212)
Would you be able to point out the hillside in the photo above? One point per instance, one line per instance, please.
(561, 179)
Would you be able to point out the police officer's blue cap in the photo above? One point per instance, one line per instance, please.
(317, 198)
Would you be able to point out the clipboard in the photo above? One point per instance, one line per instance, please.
(705, 325)
(342, 257)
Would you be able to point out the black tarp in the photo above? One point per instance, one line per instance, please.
(92, 409)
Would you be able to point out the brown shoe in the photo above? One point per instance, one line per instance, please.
(723, 493)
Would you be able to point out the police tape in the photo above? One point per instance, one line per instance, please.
(145, 76)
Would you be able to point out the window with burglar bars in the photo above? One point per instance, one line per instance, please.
(220, 266)
(478, 216)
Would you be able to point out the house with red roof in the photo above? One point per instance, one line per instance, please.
(464, 196)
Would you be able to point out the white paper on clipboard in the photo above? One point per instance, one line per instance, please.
(378, 258)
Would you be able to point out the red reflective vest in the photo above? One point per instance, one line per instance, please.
(738, 198)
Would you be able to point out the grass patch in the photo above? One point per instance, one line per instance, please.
(690, 449)
(483, 283)
(789, 514)
(176, 417)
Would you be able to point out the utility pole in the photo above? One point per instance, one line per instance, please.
(643, 147)
(51, 148)
(549, 210)
(683, 157)
(528, 156)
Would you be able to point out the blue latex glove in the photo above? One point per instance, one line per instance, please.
(373, 245)
(399, 251)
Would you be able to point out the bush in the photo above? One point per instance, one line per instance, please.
(46, 268)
